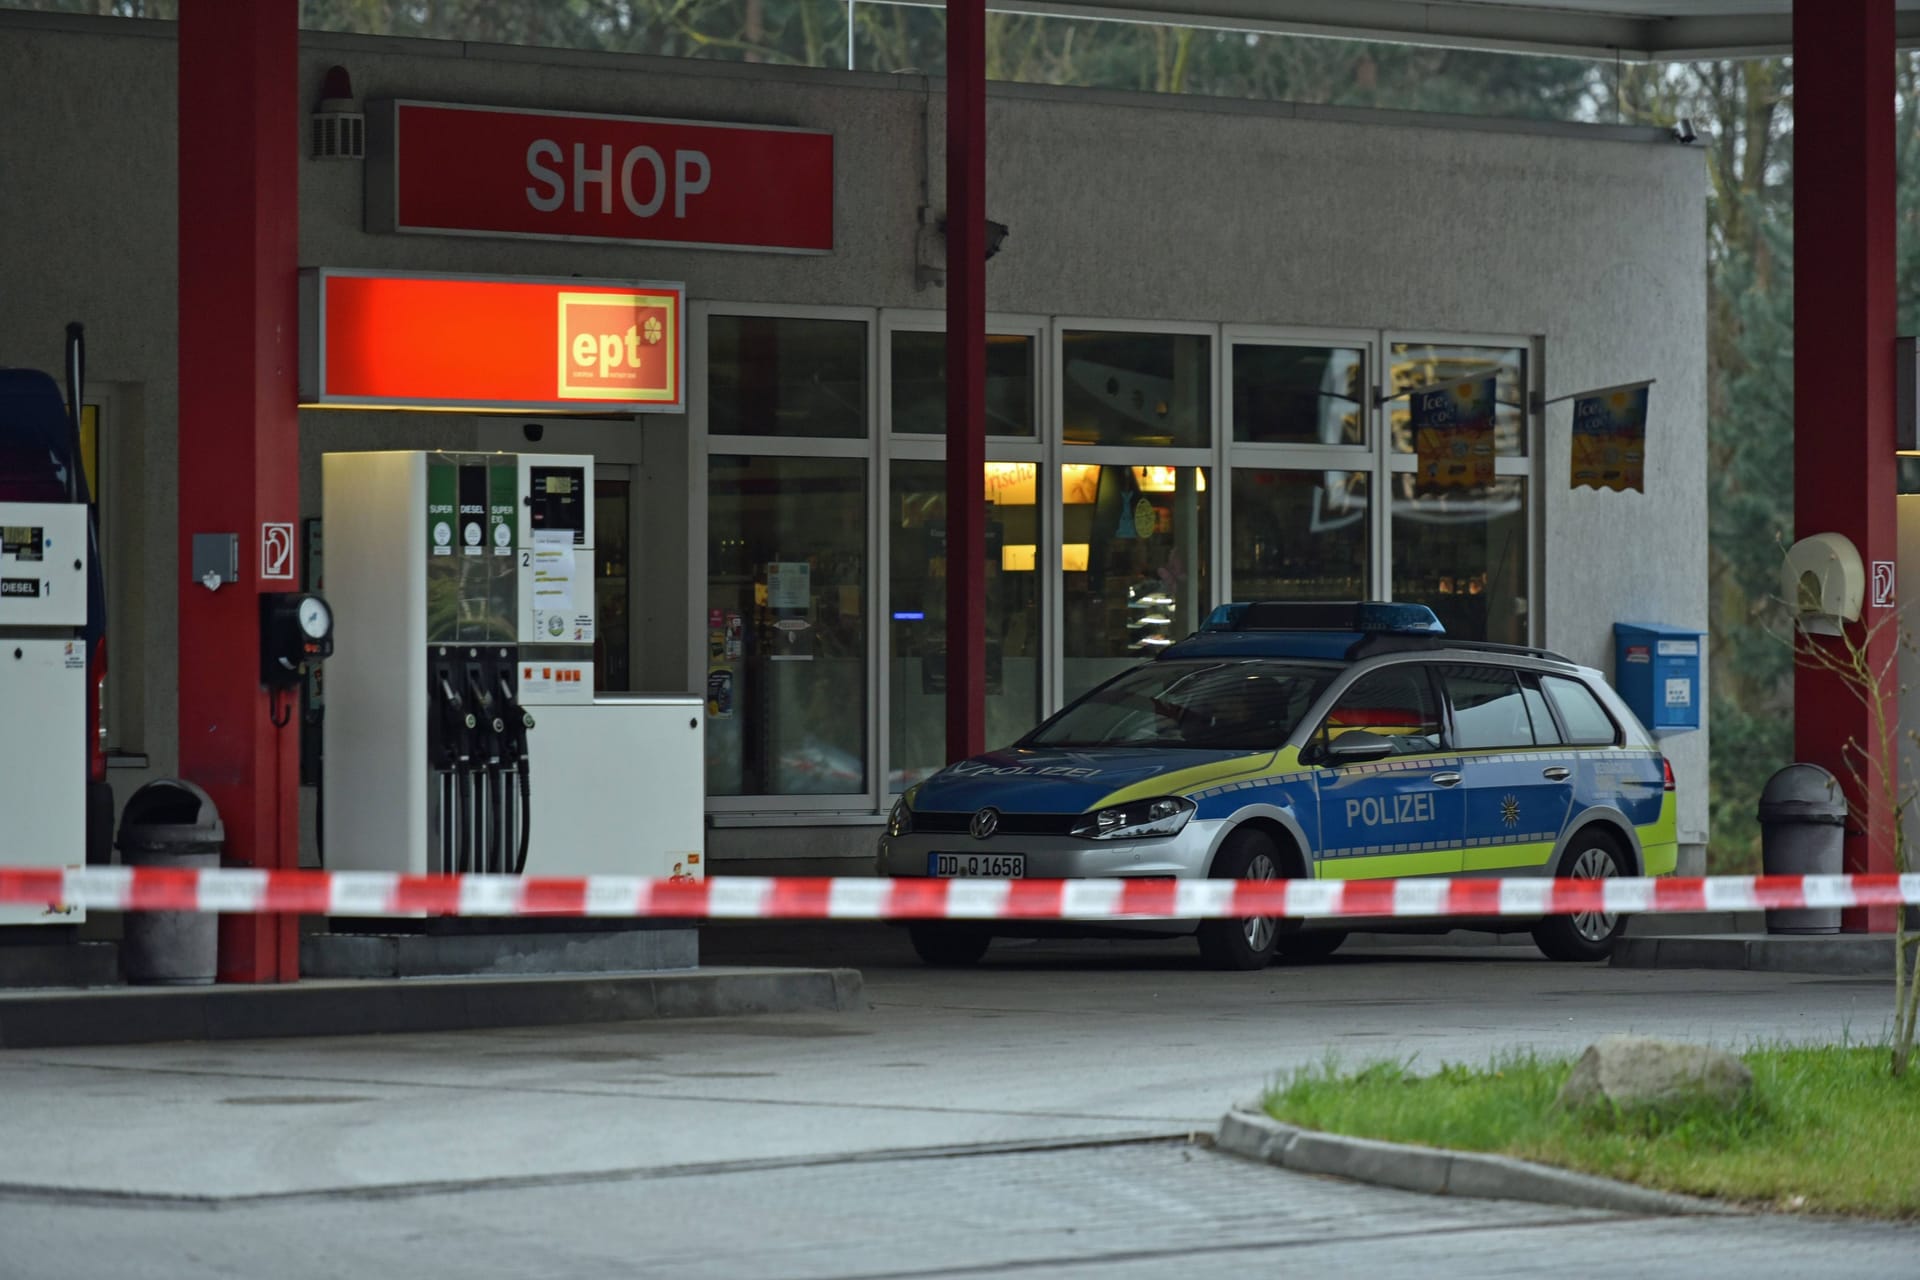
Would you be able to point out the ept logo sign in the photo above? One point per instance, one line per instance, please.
(619, 347)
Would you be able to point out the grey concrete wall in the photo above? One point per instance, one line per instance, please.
(1121, 206)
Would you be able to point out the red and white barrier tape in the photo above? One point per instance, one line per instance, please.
(372, 893)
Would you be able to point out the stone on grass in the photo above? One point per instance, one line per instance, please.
(1632, 1072)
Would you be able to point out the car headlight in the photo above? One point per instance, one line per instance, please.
(1137, 821)
(900, 821)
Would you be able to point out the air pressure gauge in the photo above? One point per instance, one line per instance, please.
(316, 619)
(296, 630)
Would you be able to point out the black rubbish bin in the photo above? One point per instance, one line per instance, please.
(1803, 819)
(171, 824)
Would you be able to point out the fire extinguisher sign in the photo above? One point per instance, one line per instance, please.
(276, 552)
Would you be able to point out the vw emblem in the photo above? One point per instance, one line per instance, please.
(984, 823)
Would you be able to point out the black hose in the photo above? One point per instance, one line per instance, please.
(526, 814)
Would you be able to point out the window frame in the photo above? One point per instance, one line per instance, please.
(1566, 727)
(1427, 670)
(1518, 675)
(776, 808)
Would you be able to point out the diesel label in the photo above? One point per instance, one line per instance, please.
(23, 587)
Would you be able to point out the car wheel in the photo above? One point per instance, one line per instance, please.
(1309, 944)
(949, 946)
(1586, 935)
(1246, 943)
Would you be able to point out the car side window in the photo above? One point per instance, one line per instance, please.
(1489, 710)
(1396, 703)
(1545, 731)
(1588, 723)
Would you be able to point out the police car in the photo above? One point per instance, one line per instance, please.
(1335, 741)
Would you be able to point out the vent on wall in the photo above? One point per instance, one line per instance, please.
(339, 126)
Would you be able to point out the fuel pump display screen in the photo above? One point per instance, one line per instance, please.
(22, 542)
(557, 500)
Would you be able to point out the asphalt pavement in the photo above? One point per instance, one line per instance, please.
(1030, 1117)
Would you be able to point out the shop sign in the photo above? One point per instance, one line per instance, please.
(445, 169)
(511, 343)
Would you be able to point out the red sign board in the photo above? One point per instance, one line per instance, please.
(493, 171)
(490, 342)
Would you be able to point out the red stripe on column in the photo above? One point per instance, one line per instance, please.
(554, 896)
(1034, 899)
(1473, 898)
(163, 889)
(915, 898)
(801, 898)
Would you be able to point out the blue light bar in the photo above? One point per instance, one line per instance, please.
(910, 615)
(1367, 616)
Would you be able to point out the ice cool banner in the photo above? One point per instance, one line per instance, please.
(1453, 434)
(1610, 438)
(507, 343)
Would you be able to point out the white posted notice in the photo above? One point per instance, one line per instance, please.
(553, 571)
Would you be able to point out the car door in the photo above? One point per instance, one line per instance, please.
(1516, 784)
(1398, 814)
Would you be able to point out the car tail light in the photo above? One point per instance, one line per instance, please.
(1666, 769)
(97, 714)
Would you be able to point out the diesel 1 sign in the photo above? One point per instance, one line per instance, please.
(508, 343)
(444, 169)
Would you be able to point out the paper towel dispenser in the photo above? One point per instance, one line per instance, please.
(1824, 583)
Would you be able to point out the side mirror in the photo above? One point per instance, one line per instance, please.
(1358, 746)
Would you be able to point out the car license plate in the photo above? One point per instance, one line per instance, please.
(999, 866)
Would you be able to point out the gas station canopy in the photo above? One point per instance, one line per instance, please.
(1656, 30)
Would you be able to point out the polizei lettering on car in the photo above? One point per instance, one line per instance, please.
(1386, 811)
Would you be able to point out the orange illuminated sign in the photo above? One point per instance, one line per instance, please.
(500, 343)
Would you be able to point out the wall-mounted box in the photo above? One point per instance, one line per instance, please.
(1656, 669)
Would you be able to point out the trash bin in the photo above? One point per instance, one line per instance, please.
(171, 824)
(1803, 817)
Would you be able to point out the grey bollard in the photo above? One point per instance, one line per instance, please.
(171, 824)
(1803, 820)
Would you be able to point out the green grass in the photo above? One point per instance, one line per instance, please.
(1826, 1130)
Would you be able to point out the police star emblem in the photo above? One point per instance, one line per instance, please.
(1510, 811)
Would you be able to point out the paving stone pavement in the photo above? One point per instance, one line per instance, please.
(1130, 1210)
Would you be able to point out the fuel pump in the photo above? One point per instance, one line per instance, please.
(465, 594)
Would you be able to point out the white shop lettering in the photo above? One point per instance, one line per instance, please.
(692, 171)
(1386, 811)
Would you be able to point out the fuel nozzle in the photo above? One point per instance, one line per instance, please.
(492, 726)
(457, 724)
(517, 720)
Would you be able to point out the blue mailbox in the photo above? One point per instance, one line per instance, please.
(1656, 668)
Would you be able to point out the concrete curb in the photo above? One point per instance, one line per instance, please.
(1435, 1171)
(1836, 954)
(140, 1015)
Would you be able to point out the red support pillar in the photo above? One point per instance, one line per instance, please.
(966, 377)
(239, 126)
(1843, 359)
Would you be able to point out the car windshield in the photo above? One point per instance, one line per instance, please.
(1214, 704)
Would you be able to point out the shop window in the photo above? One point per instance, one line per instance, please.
(919, 376)
(1137, 389)
(1299, 395)
(1413, 365)
(779, 376)
(786, 647)
(1134, 565)
(1464, 554)
(1301, 535)
(917, 606)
